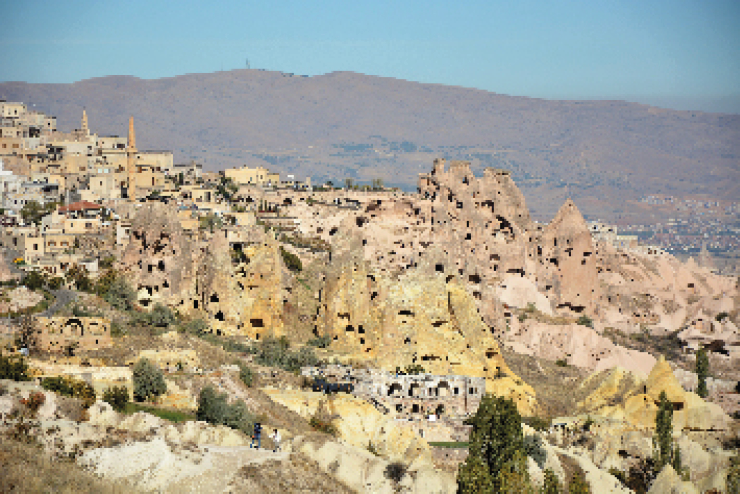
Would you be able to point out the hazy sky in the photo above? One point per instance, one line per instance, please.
(674, 53)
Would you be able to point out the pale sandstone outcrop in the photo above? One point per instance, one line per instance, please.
(358, 423)
(669, 482)
(638, 402)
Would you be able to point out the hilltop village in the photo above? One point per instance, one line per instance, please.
(365, 324)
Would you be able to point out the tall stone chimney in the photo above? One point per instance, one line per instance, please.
(131, 160)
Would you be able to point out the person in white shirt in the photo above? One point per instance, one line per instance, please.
(276, 440)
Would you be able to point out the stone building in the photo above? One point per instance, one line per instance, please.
(58, 334)
(414, 397)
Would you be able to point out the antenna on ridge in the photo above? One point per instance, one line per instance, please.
(248, 64)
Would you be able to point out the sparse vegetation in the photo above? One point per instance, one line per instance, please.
(320, 341)
(585, 321)
(69, 386)
(275, 352)
(245, 374)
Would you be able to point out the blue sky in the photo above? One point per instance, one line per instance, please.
(678, 53)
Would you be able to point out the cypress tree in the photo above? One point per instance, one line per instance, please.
(496, 439)
(663, 439)
(702, 370)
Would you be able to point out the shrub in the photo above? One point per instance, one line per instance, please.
(274, 352)
(578, 484)
(551, 484)
(561, 362)
(117, 397)
(320, 341)
(120, 295)
(34, 280)
(14, 368)
(246, 375)
(196, 327)
(148, 380)
(33, 402)
(585, 321)
(292, 261)
(214, 408)
(722, 315)
(537, 423)
(161, 316)
(395, 471)
(69, 386)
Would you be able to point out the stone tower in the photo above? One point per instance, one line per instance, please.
(131, 163)
(83, 126)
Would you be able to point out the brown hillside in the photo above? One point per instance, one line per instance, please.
(352, 125)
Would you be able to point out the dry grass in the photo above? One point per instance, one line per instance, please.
(297, 475)
(27, 468)
(548, 381)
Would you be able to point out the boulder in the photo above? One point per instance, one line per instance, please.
(103, 415)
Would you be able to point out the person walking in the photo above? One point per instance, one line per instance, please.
(256, 435)
(276, 440)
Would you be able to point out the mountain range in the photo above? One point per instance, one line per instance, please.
(603, 154)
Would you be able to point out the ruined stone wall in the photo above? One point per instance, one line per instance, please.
(56, 334)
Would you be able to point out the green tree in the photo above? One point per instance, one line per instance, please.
(148, 380)
(119, 294)
(79, 276)
(514, 477)
(578, 484)
(213, 407)
(14, 368)
(702, 370)
(551, 484)
(663, 439)
(496, 438)
(32, 212)
(117, 397)
(292, 261)
(34, 280)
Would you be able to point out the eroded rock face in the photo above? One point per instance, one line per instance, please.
(568, 266)
(241, 292)
(159, 260)
(419, 317)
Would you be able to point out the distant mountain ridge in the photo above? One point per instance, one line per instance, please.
(346, 124)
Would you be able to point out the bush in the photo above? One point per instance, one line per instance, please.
(69, 386)
(395, 471)
(117, 397)
(161, 316)
(561, 362)
(585, 321)
(246, 375)
(33, 402)
(14, 368)
(214, 408)
(537, 423)
(120, 295)
(196, 327)
(722, 315)
(148, 380)
(34, 280)
(292, 261)
(320, 341)
(274, 352)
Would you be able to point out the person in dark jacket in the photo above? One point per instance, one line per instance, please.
(257, 435)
